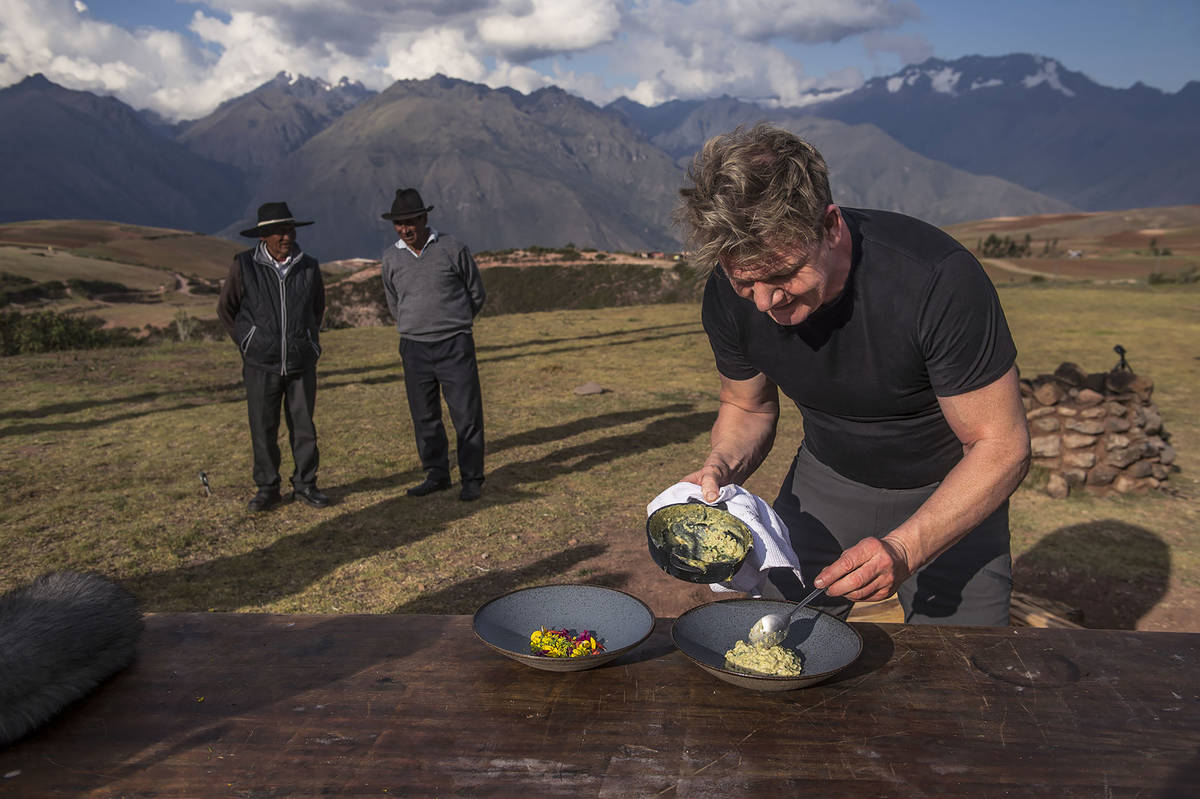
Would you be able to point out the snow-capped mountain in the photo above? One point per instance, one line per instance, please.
(1032, 121)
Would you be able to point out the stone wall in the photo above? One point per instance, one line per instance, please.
(1096, 432)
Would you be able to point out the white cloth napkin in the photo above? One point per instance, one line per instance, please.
(772, 546)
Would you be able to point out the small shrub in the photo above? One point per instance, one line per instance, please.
(96, 288)
(184, 325)
(1189, 274)
(18, 289)
(1037, 478)
(47, 331)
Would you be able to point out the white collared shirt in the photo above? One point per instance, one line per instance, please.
(264, 257)
(401, 244)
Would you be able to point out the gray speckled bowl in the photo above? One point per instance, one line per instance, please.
(826, 644)
(618, 620)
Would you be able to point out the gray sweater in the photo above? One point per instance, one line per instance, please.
(435, 295)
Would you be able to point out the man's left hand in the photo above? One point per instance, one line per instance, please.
(869, 571)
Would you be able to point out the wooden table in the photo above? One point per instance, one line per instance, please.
(411, 705)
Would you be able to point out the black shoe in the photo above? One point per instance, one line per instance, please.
(265, 499)
(311, 495)
(428, 487)
(471, 491)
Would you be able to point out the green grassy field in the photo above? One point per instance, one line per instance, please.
(100, 453)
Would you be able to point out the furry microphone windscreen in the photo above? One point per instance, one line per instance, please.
(60, 637)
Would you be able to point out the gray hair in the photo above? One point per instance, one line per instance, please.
(753, 192)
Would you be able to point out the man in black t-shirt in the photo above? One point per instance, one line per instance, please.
(890, 339)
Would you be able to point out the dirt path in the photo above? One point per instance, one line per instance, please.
(1009, 266)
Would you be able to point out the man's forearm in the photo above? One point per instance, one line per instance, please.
(990, 421)
(741, 439)
(986, 476)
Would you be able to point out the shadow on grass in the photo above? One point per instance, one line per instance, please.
(202, 393)
(292, 563)
(466, 596)
(622, 334)
(394, 375)
(544, 435)
(621, 341)
(1112, 571)
(88, 424)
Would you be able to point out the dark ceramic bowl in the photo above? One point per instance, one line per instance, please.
(679, 559)
(618, 620)
(825, 644)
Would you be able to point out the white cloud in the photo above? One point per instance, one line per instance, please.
(656, 50)
(444, 50)
(521, 30)
(808, 21)
(58, 39)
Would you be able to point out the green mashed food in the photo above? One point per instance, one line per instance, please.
(768, 661)
(704, 538)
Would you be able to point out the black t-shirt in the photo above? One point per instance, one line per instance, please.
(917, 319)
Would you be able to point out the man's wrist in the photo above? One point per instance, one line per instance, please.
(902, 551)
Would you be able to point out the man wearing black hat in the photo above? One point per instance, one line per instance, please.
(434, 292)
(272, 305)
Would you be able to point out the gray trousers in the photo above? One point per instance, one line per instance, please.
(826, 513)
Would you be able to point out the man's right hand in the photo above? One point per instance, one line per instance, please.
(710, 478)
(741, 436)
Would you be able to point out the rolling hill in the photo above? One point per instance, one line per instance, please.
(170, 270)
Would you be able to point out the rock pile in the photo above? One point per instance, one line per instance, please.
(1096, 432)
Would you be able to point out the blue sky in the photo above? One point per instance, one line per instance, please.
(183, 57)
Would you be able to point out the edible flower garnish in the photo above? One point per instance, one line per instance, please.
(564, 643)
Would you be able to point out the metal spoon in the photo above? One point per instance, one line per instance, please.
(772, 628)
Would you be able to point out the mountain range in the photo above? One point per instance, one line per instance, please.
(948, 141)
(67, 154)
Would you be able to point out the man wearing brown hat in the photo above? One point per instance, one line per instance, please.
(272, 305)
(434, 292)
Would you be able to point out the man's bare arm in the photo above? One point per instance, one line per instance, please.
(742, 435)
(990, 422)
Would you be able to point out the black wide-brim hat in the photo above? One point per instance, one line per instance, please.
(408, 203)
(272, 215)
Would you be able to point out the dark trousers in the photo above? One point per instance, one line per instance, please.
(433, 369)
(297, 393)
(825, 513)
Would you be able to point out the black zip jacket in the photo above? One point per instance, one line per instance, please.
(275, 322)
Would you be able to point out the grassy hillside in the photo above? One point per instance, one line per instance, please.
(100, 453)
(161, 249)
(177, 272)
(1110, 245)
(166, 272)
